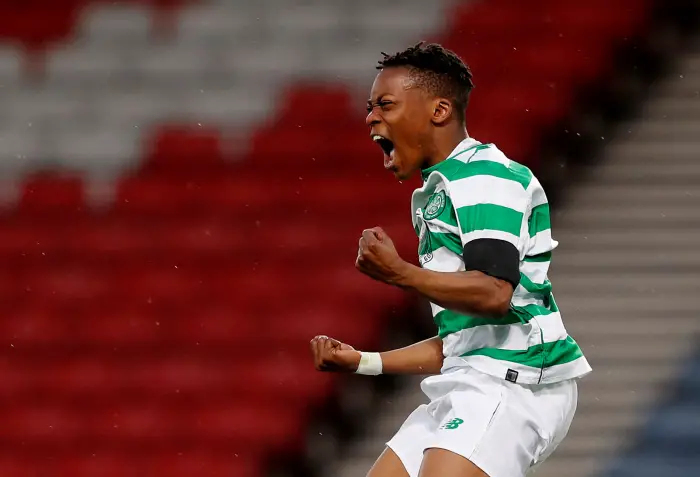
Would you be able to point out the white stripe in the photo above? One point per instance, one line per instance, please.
(435, 308)
(522, 297)
(494, 367)
(463, 146)
(514, 337)
(530, 299)
(526, 374)
(435, 225)
(444, 260)
(487, 189)
(492, 154)
(537, 193)
(552, 327)
(542, 242)
(535, 271)
(573, 369)
(492, 234)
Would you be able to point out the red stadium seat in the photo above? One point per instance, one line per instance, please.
(44, 424)
(207, 464)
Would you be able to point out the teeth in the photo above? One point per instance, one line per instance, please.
(376, 137)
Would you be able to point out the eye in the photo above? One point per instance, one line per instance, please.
(384, 105)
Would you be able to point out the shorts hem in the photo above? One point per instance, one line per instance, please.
(390, 445)
(471, 458)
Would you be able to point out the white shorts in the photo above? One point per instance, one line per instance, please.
(501, 427)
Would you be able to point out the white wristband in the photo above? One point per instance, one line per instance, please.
(370, 364)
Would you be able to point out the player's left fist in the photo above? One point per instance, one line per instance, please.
(377, 257)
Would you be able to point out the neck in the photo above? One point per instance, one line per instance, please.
(443, 146)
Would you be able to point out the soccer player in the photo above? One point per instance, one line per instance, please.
(503, 370)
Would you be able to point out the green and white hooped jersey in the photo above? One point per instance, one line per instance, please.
(479, 193)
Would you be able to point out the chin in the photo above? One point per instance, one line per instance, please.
(402, 175)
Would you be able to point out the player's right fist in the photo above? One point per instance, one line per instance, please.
(332, 355)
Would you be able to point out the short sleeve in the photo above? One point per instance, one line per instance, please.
(491, 201)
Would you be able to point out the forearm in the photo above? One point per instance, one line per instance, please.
(424, 357)
(469, 292)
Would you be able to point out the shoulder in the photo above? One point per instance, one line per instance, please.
(486, 164)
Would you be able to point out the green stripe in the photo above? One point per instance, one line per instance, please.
(533, 311)
(489, 217)
(539, 220)
(447, 240)
(542, 257)
(522, 173)
(449, 322)
(538, 288)
(448, 166)
(537, 356)
(491, 168)
(553, 304)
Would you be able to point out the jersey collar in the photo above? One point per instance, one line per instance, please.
(463, 146)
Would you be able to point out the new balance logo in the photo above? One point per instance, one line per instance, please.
(453, 424)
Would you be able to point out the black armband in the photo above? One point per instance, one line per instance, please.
(496, 258)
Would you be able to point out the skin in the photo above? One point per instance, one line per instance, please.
(424, 130)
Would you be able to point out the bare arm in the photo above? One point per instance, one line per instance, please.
(465, 292)
(424, 357)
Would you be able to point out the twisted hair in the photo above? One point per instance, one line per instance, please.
(436, 70)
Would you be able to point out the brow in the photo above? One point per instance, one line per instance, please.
(378, 100)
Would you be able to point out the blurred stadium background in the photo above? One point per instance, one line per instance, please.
(183, 185)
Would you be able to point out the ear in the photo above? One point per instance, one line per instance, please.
(442, 110)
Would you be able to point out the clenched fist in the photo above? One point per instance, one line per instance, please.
(377, 257)
(332, 355)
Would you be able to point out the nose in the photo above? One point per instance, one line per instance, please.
(372, 118)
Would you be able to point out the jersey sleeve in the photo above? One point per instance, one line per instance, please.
(539, 224)
(490, 202)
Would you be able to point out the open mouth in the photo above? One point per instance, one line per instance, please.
(386, 144)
